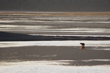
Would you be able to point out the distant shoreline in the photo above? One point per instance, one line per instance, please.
(47, 13)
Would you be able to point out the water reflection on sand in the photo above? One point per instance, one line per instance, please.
(55, 43)
(42, 67)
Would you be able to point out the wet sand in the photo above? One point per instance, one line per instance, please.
(72, 55)
(6, 36)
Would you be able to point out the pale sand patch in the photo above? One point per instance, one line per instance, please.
(44, 67)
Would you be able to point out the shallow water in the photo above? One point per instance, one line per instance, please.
(55, 43)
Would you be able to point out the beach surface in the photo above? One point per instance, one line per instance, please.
(49, 42)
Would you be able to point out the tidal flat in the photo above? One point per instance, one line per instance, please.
(49, 42)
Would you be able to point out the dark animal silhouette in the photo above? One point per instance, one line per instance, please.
(82, 45)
